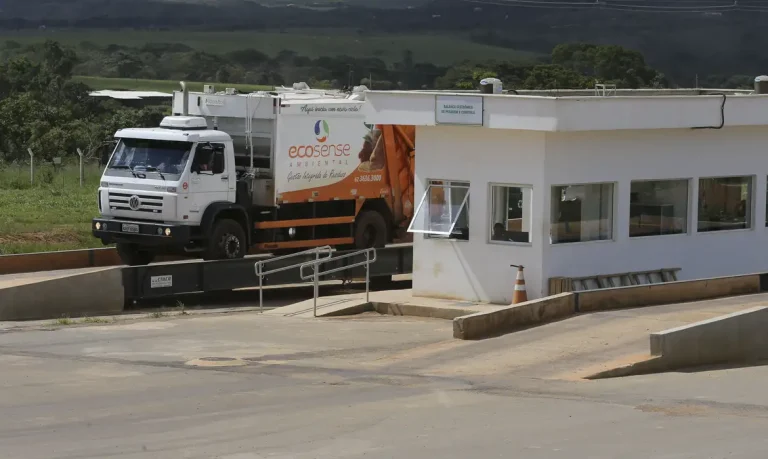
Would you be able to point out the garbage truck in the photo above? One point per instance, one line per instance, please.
(228, 174)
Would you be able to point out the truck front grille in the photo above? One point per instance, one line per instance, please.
(136, 202)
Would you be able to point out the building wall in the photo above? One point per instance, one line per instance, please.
(477, 270)
(621, 156)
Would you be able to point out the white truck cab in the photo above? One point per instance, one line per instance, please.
(204, 182)
(158, 184)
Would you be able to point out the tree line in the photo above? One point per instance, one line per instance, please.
(569, 66)
(42, 108)
(688, 46)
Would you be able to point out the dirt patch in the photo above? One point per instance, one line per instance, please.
(676, 410)
(42, 237)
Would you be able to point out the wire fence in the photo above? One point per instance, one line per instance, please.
(66, 172)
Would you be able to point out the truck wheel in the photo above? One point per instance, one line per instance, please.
(370, 230)
(132, 255)
(227, 241)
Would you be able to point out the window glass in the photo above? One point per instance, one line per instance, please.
(443, 210)
(658, 207)
(582, 213)
(510, 213)
(725, 203)
(209, 158)
(149, 156)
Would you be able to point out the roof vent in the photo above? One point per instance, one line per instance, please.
(209, 89)
(184, 123)
(230, 91)
(761, 84)
(490, 86)
(300, 86)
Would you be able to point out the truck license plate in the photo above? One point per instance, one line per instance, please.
(130, 228)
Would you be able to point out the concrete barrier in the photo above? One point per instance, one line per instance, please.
(733, 338)
(738, 338)
(92, 293)
(666, 293)
(50, 261)
(485, 324)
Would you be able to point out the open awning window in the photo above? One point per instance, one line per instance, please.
(443, 210)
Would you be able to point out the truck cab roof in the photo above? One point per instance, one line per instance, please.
(178, 129)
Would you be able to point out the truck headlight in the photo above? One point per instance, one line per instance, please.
(291, 232)
(105, 184)
(167, 231)
(98, 226)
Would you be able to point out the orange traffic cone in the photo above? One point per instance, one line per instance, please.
(520, 295)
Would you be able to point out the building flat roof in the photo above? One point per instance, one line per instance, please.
(571, 110)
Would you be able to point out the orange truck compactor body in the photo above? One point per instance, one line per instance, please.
(344, 159)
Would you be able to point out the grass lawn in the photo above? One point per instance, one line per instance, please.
(54, 214)
(439, 49)
(130, 84)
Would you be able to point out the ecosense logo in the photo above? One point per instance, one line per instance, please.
(322, 131)
(321, 149)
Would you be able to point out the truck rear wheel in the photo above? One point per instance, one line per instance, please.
(132, 255)
(370, 230)
(227, 241)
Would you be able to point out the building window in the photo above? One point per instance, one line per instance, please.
(510, 213)
(582, 213)
(443, 211)
(725, 203)
(658, 207)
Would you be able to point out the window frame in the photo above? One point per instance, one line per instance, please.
(214, 147)
(442, 235)
(614, 212)
(489, 232)
(752, 221)
(691, 201)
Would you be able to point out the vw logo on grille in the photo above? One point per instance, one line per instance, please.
(134, 203)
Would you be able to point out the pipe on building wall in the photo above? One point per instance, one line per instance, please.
(722, 114)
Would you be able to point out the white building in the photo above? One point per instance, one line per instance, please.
(582, 185)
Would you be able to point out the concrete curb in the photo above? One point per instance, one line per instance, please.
(52, 261)
(485, 324)
(92, 293)
(395, 309)
(733, 338)
(547, 309)
(665, 293)
(737, 338)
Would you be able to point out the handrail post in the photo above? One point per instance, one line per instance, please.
(261, 288)
(316, 269)
(367, 274)
(259, 266)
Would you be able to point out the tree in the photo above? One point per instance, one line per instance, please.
(554, 77)
(611, 64)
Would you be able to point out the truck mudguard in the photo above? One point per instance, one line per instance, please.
(216, 208)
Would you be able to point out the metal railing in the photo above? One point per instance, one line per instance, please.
(259, 266)
(316, 273)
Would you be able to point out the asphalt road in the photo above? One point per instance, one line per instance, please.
(344, 388)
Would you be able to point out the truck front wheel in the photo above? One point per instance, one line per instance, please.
(227, 241)
(132, 255)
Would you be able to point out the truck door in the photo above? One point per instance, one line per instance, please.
(210, 181)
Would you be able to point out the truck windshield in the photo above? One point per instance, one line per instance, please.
(159, 157)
